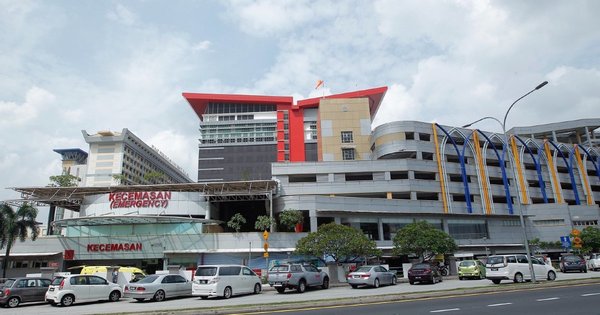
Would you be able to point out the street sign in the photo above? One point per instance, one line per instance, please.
(266, 235)
(566, 241)
(575, 232)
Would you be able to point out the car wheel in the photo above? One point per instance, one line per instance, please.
(67, 300)
(551, 275)
(461, 278)
(159, 296)
(227, 293)
(354, 286)
(301, 286)
(204, 297)
(13, 302)
(518, 278)
(585, 270)
(411, 282)
(394, 280)
(280, 290)
(257, 288)
(114, 296)
(325, 284)
(481, 276)
(376, 283)
(139, 299)
(496, 281)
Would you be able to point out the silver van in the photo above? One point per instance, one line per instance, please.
(225, 281)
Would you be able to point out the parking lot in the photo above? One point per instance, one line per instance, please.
(268, 296)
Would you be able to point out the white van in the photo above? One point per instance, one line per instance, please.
(515, 267)
(225, 281)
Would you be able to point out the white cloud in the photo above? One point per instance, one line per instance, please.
(12, 114)
(203, 45)
(122, 15)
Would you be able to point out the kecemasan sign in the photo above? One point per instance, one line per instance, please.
(139, 199)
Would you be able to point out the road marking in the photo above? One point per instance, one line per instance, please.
(590, 294)
(446, 310)
(499, 304)
(409, 299)
(547, 299)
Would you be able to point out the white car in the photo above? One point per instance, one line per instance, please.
(594, 262)
(516, 268)
(66, 290)
(225, 281)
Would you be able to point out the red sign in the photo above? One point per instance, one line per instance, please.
(69, 254)
(139, 199)
(118, 247)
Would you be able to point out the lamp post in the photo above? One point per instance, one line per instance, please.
(514, 173)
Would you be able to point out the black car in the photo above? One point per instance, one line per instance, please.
(424, 272)
(15, 291)
(572, 263)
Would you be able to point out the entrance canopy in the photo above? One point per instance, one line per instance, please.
(72, 197)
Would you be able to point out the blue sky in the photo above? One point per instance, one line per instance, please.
(67, 66)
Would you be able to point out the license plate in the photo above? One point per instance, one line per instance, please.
(51, 289)
(356, 277)
(417, 277)
(494, 269)
(131, 289)
(203, 281)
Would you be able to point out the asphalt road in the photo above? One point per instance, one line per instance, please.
(269, 300)
(572, 299)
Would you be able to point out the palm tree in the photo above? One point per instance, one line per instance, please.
(15, 225)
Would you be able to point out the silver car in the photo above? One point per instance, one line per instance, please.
(371, 276)
(158, 288)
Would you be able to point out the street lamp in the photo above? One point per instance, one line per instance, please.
(514, 173)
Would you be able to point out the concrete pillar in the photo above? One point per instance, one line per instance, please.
(313, 220)
(413, 195)
(380, 228)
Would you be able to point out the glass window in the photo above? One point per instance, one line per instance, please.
(511, 260)
(522, 259)
(347, 154)
(467, 229)
(229, 271)
(248, 272)
(97, 280)
(347, 137)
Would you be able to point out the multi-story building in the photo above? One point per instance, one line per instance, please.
(326, 161)
(241, 135)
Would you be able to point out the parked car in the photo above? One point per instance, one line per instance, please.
(15, 291)
(424, 272)
(225, 281)
(472, 268)
(371, 276)
(515, 267)
(66, 290)
(594, 262)
(572, 263)
(159, 287)
(297, 276)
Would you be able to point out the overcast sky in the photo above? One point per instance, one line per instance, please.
(67, 66)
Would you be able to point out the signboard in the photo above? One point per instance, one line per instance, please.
(566, 241)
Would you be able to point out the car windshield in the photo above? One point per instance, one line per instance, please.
(363, 269)
(206, 271)
(8, 283)
(495, 260)
(57, 280)
(282, 268)
(421, 266)
(467, 263)
(572, 258)
(149, 279)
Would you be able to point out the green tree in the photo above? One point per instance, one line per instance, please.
(290, 217)
(154, 177)
(591, 239)
(236, 222)
(342, 243)
(15, 225)
(263, 222)
(424, 240)
(120, 178)
(64, 180)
